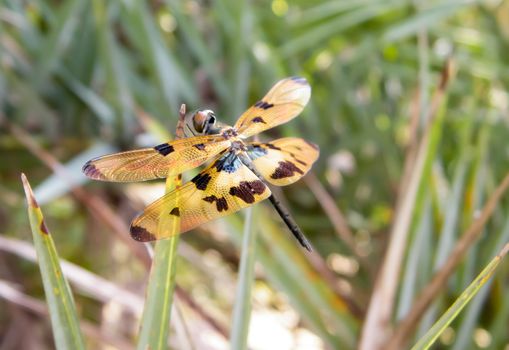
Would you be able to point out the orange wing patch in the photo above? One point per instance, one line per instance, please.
(283, 102)
(159, 162)
(283, 161)
(223, 188)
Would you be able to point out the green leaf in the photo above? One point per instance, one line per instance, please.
(242, 307)
(161, 285)
(431, 336)
(158, 305)
(64, 319)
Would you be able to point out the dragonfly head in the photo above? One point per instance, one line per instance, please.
(202, 122)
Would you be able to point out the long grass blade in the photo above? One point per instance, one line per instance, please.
(242, 307)
(155, 322)
(287, 268)
(382, 300)
(64, 318)
(429, 338)
(436, 284)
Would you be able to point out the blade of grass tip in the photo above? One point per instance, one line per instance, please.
(64, 319)
(242, 307)
(434, 287)
(429, 338)
(161, 285)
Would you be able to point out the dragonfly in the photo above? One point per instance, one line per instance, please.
(239, 175)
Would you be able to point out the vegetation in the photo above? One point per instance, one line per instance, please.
(405, 206)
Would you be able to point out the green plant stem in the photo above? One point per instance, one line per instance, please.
(155, 323)
(242, 307)
(434, 332)
(62, 310)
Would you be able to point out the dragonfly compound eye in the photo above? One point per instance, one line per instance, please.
(199, 121)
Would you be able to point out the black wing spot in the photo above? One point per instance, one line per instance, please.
(247, 189)
(271, 146)
(221, 203)
(141, 234)
(300, 80)
(91, 171)
(175, 211)
(200, 146)
(297, 159)
(164, 149)
(201, 181)
(258, 120)
(263, 105)
(285, 169)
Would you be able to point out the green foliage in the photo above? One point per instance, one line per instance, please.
(84, 77)
(64, 319)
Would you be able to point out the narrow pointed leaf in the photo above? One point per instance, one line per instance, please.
(431, 336)
(64, 319)
(155, 324)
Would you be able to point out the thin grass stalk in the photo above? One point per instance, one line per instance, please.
(414, 263)
(242, 307)
(430, 337)
(161, 286)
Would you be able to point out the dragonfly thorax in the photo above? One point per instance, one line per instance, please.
(238, 146)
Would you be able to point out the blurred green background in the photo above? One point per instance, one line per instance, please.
(80, 79)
